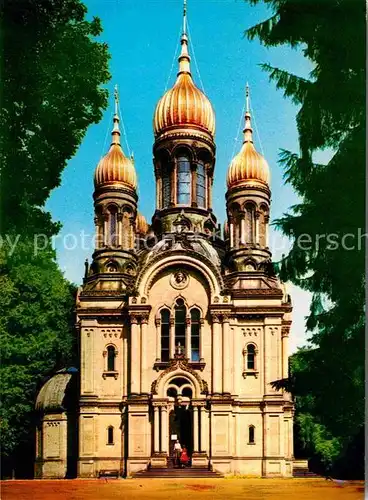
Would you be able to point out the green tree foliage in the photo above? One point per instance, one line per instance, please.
(36, 335)
(52, 68)
(329, 261)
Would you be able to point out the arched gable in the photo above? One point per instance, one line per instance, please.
(147, 275)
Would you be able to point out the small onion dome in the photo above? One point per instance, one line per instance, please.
(141, 224)
(248, 166)
(115, 167)
(56, 393)
(184, 104)
(226, 230)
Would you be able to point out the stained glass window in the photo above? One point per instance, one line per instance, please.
(165, 335)
(180, 323)
(195, 333)
(166, 189)
(184, 181)
(201, 185)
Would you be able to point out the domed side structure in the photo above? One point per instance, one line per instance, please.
(247, 203)
(248, 167)
(115, 204)
(141, 224)
(57, 435)
(115, 167)
(184, 104)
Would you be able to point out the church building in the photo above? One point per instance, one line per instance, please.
(182, 327)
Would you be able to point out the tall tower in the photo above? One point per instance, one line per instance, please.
(115, 203)
(184, 153)
(248, 205)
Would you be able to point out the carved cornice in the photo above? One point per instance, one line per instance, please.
(257, 292)
(170, 137)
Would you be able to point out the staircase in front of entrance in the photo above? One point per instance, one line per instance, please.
(194, 472)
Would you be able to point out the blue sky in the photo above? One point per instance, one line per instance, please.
(142, 36)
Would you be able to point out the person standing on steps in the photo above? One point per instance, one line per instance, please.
(184, 458)
(177, 453)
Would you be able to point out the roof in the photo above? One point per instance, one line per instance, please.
(56, 393)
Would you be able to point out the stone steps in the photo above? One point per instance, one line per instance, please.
(303, 472)
(194, 472)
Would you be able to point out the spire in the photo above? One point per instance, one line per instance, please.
(184, 59)
(116, 130)
(185, 18)
(248, 131)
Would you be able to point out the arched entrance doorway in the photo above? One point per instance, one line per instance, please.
(180, 392)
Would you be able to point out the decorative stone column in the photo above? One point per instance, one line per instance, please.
(257, 216)
(203, 445)
(201, 341)
(216, 355)
(242, 229)
(135, 382)
(125, 368)
(231, 232)
(199, 457)
(226, 355)
(172, 338)
(156, 430)
(284, 342)
(143, 382)
(195, 429)
(105, 229)
(158, 339)
(119, 219)
(266, 221)
(237, 368)
(159, 457)
(188, 347)
(99, 233)
(164, 429)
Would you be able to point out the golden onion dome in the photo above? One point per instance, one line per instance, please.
(141, 224)
(184, 104)
(115, 167)
(248, 166)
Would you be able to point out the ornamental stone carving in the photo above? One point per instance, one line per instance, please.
(179, 280)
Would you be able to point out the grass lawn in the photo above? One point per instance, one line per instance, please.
(206, 489)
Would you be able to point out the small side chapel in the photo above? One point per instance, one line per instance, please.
(182, 329)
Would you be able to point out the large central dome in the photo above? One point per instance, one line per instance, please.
(184, 105)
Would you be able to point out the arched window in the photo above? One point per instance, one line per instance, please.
(165, 335)
(195, 326)
(172, 392)
(184, 180)
(110, 435)
(180, 323)
(201, 185)
(249, 224)
(113, 236)
(251, 437)
(251, 357)
(111, 358)
(166, 188)
(187, 392)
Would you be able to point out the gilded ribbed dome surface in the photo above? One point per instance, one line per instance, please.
(184, 104)
(248, 165)
(115, 167)
(141, 224)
